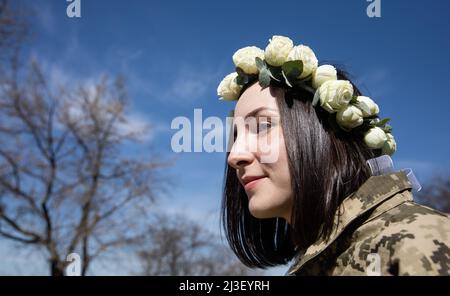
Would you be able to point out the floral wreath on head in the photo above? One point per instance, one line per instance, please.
(282, 63)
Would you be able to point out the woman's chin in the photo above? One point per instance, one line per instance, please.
(260, 212)
(263, 210)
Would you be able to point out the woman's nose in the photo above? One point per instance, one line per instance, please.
(240, 155)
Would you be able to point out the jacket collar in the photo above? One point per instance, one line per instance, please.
(372, 194)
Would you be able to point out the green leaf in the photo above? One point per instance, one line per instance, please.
(292, 69)
(242, 78)
(264, 78)
(260, 63)
(383, 122)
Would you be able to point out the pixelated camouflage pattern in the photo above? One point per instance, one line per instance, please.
(381, 218)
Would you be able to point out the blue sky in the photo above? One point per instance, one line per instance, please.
(174, 53)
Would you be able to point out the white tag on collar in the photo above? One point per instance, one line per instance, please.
(381, 165)
(384, 165)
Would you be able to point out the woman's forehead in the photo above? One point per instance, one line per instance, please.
(256, 97)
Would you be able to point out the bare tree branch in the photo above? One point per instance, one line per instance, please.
(68, 165)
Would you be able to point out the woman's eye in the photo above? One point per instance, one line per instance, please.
(263, 126)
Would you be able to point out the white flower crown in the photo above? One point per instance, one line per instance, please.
(282, 63)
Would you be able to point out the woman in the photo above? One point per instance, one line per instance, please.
(317, 201)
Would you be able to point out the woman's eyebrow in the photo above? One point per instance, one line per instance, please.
(257, 110)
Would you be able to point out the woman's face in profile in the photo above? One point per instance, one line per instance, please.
(259, 153)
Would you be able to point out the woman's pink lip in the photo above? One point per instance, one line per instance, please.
(252, 184)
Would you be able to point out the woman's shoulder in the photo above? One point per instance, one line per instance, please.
(414, 218)
(411, 238)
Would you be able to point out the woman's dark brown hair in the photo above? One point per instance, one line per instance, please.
(326, 165)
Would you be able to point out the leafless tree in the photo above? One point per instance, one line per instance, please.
(66, 184)
(178, 246)
(436, 193)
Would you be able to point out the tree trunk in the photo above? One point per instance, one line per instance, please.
(56, 268)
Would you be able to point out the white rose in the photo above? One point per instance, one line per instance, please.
(322, 74)
(307, 56)
(278, 50)
(335, 94)
(228, 89)
(367, 106)
(349, 117)
(390, 145)
(244, 58)
(375, 138)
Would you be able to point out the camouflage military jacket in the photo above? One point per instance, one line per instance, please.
(381, 231)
